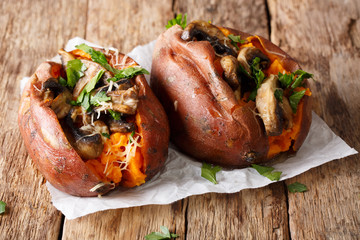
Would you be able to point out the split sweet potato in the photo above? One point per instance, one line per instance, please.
(205, 82)
(72, 146)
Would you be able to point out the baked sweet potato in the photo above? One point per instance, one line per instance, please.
(231, 97)
(92, 123)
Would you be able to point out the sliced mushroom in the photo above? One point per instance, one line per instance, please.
(65, 57)
(121, 126)
(124, 101)
(248, 54)
(268, 106)
(287, 111)
(230, 65)
(122, 84)
(86, 141)
(61, 104)
(58, 96)
(204, 31)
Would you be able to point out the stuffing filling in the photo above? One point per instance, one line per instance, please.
(96, 104)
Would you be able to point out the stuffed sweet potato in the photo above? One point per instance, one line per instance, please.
(92, 123)
(232, 99)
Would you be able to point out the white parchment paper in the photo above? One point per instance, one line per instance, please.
(181, 176)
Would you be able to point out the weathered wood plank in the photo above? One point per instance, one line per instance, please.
(130, 223)
(30, 32)
(250, 214)
(324, 37)
(126, 24)
(242, 15)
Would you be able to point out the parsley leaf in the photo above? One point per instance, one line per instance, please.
(91, 85)
(99, 97)
(279, 94)
(258, 76)
(164, 235)
(106, 135)
(84, 97)
(295, 98)
(115, 115)
(297, 187)
(74, 71)
(128, 73)
(132, 135)
(86, 102)
(177, 20)
(97, 56)
(302, 75)
(62, 81)
(2, 207)
(286, 79)
(267, 172)
(235, 40)
(208, 172)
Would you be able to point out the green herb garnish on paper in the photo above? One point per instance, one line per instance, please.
(267, 172)
(208, 172)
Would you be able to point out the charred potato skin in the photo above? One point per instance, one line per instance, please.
(205, 120)
(54, 156)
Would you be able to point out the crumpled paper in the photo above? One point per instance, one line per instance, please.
(181, 176)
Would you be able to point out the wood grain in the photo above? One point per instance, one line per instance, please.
(130, 223)
(249, 214)
(327, 44)
(30, 32)
(323, 35)
(126, 24)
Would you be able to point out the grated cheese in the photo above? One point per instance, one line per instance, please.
(122, 157)
(97, 186)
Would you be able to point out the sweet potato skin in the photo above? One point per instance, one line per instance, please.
(53, 154)
(205, 119)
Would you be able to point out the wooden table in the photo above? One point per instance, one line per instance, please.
(323, 35)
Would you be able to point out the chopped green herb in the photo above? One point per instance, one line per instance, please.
(279, 94)
(86, 102)
(98, 98)
(208, 172)
(235, 40)
(115, 115)
(287, 80)
(132, 135)
(128, 73)
(106, 135)
(74, 71)
(256, 71)
(257, 75)
(2, 207)
(91, 85)
(297, 187)
(177, 20)
(62, 81)
(295, 98)
(84, 99)
(164, 235)
(252, 95)
(267, 172)
(302, 75)
(97, 56)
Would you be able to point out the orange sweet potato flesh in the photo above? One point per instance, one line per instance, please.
(55, 157)
(205, 119)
